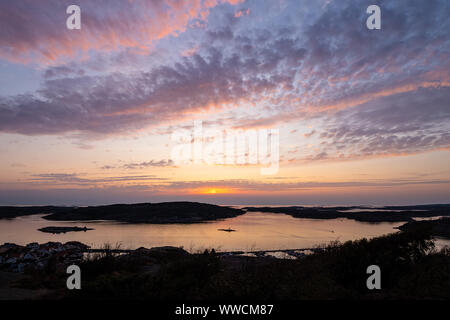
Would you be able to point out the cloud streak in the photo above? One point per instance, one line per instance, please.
(401, 124)
(32, 31)
(58, 179)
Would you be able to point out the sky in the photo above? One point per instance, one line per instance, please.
(93, 116)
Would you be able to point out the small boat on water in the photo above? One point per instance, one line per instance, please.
(227, 230)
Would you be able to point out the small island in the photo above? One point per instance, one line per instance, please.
(58, 230)
(227, 230)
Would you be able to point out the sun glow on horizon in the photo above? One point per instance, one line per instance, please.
(213, 190)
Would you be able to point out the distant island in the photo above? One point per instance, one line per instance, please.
(363, 214)
(165, 212)
(10, 212)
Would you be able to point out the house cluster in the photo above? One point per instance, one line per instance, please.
(16, 258)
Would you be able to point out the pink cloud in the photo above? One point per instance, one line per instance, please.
(242, 13)
(33, 31)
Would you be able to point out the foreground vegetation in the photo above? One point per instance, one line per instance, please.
(438, 228)
(410, 269)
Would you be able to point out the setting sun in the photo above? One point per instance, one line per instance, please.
(213, 191)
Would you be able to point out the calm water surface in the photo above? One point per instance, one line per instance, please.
(255, 230)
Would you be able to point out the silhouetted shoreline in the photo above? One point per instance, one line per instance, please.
(11, 212)
(158, 213)
(192, 212)
(392, 213)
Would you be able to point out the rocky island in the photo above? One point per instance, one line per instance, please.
(57, 230)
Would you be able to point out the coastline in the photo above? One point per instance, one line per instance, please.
(194, 212)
